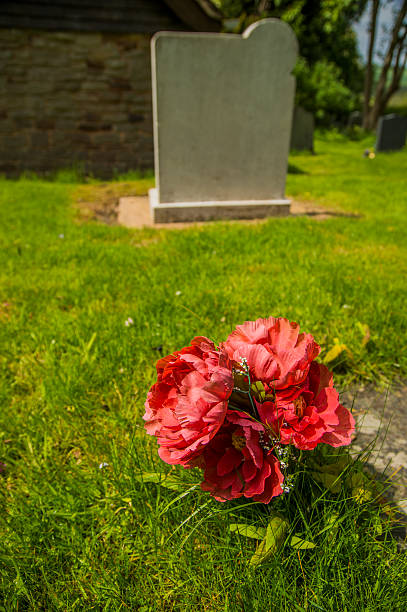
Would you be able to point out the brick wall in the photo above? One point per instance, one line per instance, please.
(73, 97)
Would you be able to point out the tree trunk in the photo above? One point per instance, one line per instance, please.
(381, 89)
(263, 5)
(369, 66)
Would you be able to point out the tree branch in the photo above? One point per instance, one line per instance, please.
(392, 46)
(398, 69)
(381, 94)
(369, 66)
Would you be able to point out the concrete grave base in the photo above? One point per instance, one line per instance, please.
(180, 212)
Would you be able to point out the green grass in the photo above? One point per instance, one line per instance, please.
(398, 102)
(74, 378)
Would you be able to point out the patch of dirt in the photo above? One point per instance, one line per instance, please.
(102, 202)
(300, 208)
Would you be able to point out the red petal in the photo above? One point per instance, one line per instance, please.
(230, 460)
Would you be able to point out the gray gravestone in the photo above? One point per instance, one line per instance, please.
(355, 119)
(222, 107)
(302, 131)
(391, 133)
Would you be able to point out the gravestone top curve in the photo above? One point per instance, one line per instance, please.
(282, 35)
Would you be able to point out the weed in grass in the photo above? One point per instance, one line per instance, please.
(134, 175)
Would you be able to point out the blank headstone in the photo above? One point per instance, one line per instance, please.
(391, 133)
(355, 119)
(302, 131)
(222, 108)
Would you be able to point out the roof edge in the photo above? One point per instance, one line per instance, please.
(199, 15)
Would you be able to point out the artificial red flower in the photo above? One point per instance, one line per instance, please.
(275, 351)
(311, 414)
(188, 403)
(239, 461)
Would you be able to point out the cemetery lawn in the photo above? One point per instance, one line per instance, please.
(78, 530)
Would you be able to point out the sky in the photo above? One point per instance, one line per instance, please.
(385, 20)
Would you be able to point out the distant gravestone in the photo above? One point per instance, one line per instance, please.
(302, 131)
(391, 133)
(355, 119)
(222, 107)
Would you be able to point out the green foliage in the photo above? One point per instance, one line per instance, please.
(235, 8)
(338, 473)
(321, 90)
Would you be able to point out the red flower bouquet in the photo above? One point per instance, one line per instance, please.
(237, 411)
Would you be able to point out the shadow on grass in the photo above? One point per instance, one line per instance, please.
(324, 213)
(292, 169)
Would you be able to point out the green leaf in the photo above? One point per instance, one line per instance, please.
(377, 525)
(329, 473)
(86, 352)
(164, 480)
(337, 349)
(335, 467)
(329, 481)
(363, 487)
(332, 525)
(300, 544)
(365, 331)
(324, 454)
(258, 390)
(250, 531)
(275, 536)
(334, 352)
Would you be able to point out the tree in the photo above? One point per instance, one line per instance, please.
(394, 63)
(329, 73)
